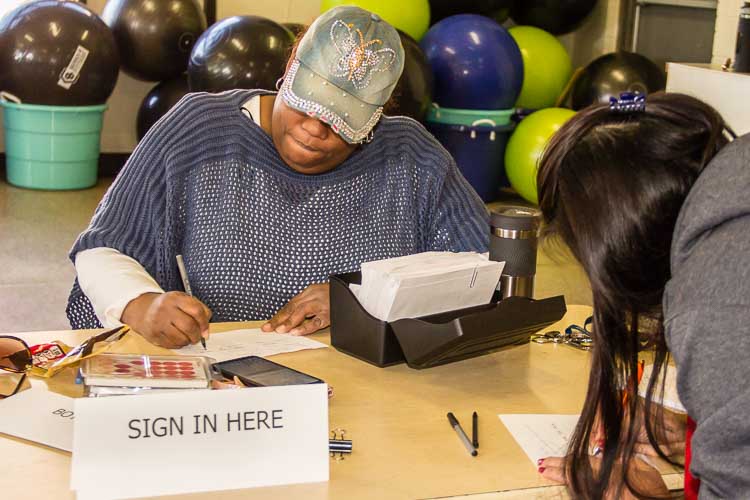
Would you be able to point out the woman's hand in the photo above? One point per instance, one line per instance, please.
(307, 312)
(644, 478)
(669, 433)
(171, 319)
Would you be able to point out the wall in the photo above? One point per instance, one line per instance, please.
(597, 36)
(725, 37)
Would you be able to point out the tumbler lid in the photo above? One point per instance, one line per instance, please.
(516, 218)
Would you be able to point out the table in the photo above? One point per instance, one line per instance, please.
(396, 417)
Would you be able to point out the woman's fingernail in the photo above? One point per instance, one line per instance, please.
(295, 331)
(541, 469)
(540, 461)
(281, 329)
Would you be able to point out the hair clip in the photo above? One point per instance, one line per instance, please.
(629, 102)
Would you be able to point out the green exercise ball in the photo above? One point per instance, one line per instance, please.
(410, 16)
(546, 65)
(526, 146)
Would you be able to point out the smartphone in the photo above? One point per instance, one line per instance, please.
(260, 372)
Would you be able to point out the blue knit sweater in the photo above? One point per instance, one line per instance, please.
(207, 182)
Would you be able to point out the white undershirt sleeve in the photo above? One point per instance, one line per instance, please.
(111, 280)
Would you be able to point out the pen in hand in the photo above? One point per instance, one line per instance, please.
(461, 434)
(186, 286)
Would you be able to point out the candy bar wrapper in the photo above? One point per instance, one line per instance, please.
(51, 358)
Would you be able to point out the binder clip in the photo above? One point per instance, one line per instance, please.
(339, 445)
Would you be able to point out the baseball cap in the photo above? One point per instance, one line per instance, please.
(344, 71)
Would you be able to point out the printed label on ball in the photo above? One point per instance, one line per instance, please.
(70, 74)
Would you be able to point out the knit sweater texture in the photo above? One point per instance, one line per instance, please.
(208, 183)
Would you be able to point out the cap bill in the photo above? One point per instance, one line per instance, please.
(348, 116)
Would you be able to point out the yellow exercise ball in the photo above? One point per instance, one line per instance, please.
(410, 16)
(526, 146)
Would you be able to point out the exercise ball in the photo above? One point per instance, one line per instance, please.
(240, 52)
(413, 93)
(556, 16)
(155, 37)
(496, 9)
(74, 64)
(410, 16)
(546, 67)
(526, 146)
(612, 74)
(158, 101)
(475, 63)
(295, 28)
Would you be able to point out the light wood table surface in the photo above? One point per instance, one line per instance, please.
(396, 417)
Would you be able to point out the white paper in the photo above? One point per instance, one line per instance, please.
(671, 399)
(39, 415)
(201, 432)
(541, 436)
(427, 283)
(251, 342)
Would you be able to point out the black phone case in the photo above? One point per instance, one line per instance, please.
(229, 374)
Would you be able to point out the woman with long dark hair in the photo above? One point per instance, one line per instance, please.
(654, 203)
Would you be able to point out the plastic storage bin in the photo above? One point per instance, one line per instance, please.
(52, 147)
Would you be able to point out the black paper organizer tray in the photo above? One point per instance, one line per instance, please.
(437, 339)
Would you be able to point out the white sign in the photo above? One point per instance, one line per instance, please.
(39, 415)
(200, 440)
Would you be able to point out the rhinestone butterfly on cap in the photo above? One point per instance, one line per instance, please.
(358, 59)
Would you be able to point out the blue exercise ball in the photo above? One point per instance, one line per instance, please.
(475, 63)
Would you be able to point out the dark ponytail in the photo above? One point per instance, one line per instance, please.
(611, 186)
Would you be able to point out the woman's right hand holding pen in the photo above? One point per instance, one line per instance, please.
(171, 319)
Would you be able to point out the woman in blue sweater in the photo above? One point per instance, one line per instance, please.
(265, 195)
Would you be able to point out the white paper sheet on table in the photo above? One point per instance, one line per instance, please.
(671, 399)
(39, 415)
(541, 436)
(250, 342)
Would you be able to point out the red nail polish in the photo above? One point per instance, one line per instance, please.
(540, 461)
(541, 469)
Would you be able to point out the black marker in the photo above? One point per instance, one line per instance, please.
(475, 430)
(461, 434)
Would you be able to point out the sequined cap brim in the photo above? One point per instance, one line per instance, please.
(348, 116)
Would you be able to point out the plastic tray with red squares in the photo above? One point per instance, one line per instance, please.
(126, 370)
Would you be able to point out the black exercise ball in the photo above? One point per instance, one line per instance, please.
(155, 36)
(240, 52)
(158, 101)
(612, 74)
(496, 9)
(555, 16)
(413, 93)
(295, 28)
(57, 53)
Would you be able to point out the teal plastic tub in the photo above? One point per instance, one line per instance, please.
(52, 147)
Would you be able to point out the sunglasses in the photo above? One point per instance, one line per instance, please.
(15, 357)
